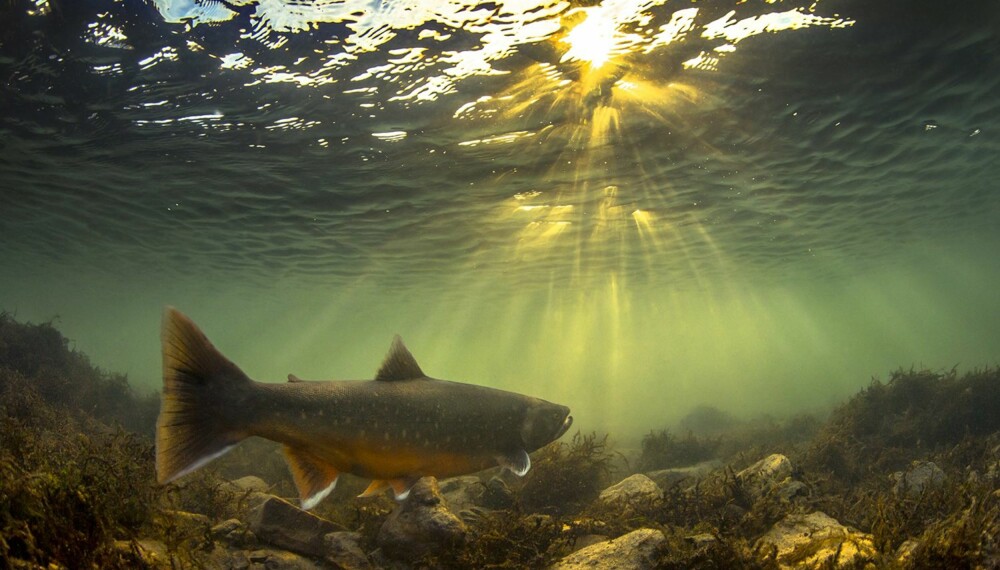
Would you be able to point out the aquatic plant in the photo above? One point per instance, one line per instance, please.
(662, 449)
(969, 537)
(887, 425)
(723, 438)
(507, 539)
(67, 496)
(712, 552)
(564, 477)
(70, 485)
(65, 377)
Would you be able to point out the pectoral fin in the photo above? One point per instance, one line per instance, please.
(519, 462)
(313, 477)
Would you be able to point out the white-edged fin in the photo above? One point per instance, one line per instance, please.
(201, 463)
(294, 378)
(314, 478)
(399, 364)
(310, 502)
(198, 382)
(401, 487)
(518, 462)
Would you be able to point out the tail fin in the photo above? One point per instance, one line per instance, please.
(196, 422)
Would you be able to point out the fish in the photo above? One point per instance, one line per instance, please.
(393, 430)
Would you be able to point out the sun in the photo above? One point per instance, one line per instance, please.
(592, 41)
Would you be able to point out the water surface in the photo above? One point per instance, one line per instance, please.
(630, 207)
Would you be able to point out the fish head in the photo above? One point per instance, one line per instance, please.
(544, 423)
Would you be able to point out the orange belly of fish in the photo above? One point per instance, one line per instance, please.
(396, 462)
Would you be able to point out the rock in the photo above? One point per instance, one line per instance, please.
(234, 532)
(588, 540)
(790, 490)
(703, 539)
(634, 489)
(265, 559)
(251, 483)
(421, 524)
(461, 493)
(148, 553)
(497, 494)
(343, 550)
(247, 492)
(817, 539)
(904, 554)
(666, 478)
(184, 526)
(186, 520)
(765, 475)
(636, 550)
(286, 526)
(919, 477)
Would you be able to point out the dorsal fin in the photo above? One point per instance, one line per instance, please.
(399, 364)
(294, 378)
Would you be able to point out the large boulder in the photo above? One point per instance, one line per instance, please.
(636, 550)
(421, 524)
(286, 526)
(634, 489)
(816, 539)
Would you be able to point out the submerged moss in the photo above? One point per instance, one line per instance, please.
(662, 449)
(564, 477)
(66, 497)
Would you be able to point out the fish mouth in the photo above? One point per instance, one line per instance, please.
(564, 427)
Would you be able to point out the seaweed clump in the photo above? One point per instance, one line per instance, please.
(564, 477)
(65, 378)
(721, 437)
(70, 485)
(662, 450)
(67, 495)
(856, 466)
(914, 414)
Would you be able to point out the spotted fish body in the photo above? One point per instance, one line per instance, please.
(394, 429)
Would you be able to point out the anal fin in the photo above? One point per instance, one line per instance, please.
(314, 478)
(374, 488)
(400, 487)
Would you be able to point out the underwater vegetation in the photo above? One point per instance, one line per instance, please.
(70, 483)
(904, 474)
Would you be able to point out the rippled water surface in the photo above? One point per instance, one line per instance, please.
(629, 206)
